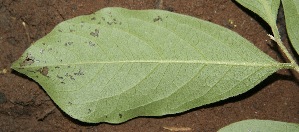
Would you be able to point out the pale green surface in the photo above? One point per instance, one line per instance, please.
(291, 12)
(260, 126)
(142, 63)
(266, 9)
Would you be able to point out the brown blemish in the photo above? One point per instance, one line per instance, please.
(28, 60)
(44, 71)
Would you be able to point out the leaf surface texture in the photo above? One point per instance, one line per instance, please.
(117, 64)
(291, 11)
(254, 125)
(266, 9)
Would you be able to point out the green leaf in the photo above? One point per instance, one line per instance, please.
(266, 9)
(291, 11)
(260, 126)
(117, 64)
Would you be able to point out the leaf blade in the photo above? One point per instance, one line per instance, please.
(266, 9)
(261, 126)
(291, 10)
(105, 68)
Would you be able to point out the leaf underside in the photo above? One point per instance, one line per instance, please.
(266, 9)
(260, 126)
(117, 64)
(291, 11)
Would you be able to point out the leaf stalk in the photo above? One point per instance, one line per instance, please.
(277, 39)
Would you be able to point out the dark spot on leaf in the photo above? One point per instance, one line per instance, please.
(28, 60)
(60, 60)
(62, 82)
(68, 66)
(120, 115)
(89, 111)
(59, 77)
(44, 71)
(95, 33)
(56, 67)
(68, 43)
(44, 43)
(157, 19)
(109, 23)
(70, 103)
(103, 18)
(93, 18)
(31, 71)
(99, 22)
(69, 76)
(71, 30)
(60, 30)
(79, 73)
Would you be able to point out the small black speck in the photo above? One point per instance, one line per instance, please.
(157, 19)
(109, 23)
(70, 103)
(59, 77)
(120, 115)
(93, 18)
(95, 33)
(79, 73)
(68, 43)
(31, 71)
(56, 67)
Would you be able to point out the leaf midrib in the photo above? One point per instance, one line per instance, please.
(231, 63)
